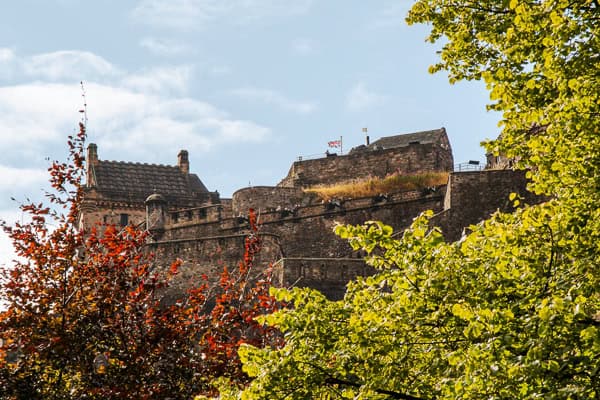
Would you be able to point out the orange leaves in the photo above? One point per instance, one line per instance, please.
(175, 266)
(72, 298)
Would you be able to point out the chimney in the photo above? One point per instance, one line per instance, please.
(92, 160)
(183, 162)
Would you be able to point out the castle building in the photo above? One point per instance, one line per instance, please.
(188, 221)
(115, 191)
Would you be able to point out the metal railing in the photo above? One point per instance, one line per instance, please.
(471, 165)
(316, 156)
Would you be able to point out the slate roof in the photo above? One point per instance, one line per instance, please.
(423, 137)
(129, 181)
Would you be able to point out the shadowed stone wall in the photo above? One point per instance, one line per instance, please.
(473, 196)
(329, 276)
(267, 198)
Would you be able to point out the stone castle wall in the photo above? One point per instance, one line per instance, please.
(475, 195)
(302, 236)
(410, 159)
(324, 274)
(265, 198)
(304, 232)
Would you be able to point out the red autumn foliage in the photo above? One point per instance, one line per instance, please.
(84, 315)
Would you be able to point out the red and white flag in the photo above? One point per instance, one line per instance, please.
(335, 143)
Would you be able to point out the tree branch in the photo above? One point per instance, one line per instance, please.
(392, 394)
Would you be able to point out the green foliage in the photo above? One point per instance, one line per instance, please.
(510, 311)
(540, 61)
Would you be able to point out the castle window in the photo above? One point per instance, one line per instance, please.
(124, 219)
(202, 213)
(189, 214)
(175, 217)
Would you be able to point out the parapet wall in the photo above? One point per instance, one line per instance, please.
(304, 232)
(209, 255)
(263, 198)
(328, 275)
(473, 196)
(414, 158)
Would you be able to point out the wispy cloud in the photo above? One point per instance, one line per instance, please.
(164, 47)
(360, 98)
(132, 115)
(274, 98)
(19, 178)
(120, 118)
(195, 14)
(160, 80)
(67, 64)
(303, 46)
(6, 55)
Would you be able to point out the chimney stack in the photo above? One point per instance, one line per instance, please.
(92, 160)
(183, 162)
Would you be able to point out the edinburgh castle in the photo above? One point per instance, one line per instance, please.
(187, 221)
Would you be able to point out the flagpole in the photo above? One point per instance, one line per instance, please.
(341, 147)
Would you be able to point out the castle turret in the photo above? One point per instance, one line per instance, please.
(156, 214)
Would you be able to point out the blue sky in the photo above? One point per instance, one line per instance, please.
(245, 86)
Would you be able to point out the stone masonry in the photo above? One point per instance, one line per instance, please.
(188, 221)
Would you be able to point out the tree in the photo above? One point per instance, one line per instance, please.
(512, 310)
(540, 60)
(85, 317)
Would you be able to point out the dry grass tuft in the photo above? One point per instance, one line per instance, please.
(374, 186)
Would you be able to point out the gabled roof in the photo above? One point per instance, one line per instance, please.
(423, 137)
(128, 181)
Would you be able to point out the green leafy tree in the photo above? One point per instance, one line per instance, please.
(510, 311)
(540, 60)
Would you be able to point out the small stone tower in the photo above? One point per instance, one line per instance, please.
(156, 215)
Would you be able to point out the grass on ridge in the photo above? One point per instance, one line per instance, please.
(374, 186)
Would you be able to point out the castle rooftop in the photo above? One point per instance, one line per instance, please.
(403, 140)
(118, 180)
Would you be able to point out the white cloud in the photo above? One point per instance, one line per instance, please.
(160, 80)
(274, 98)
(164, 47)
(7, 63)
(303, 46)
(195, 14)
(71, 65)
(31, 115)
(18, 178)
(6, 55)
(7, 252)
(360, 98)
(219, 70)
(133, 123)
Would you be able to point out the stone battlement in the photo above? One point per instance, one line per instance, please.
(208, 232)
